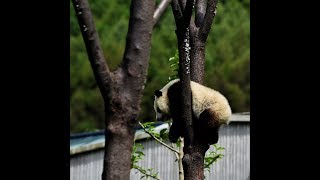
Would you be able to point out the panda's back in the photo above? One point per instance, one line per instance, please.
(207, 98)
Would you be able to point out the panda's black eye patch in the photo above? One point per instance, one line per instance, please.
(157, 93)
(158, 110)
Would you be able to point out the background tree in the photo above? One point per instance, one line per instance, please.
(122, 88)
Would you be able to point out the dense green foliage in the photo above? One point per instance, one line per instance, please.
(227, 58)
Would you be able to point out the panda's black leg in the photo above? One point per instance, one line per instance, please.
(208, 128)
(176, 129)
(174, 132)
(213, 136)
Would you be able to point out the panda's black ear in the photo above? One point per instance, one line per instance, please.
(157, 93)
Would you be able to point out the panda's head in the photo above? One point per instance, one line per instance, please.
(161, 105)
(161, 102)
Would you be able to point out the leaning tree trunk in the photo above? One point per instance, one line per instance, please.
(121, 89)
(192, 35)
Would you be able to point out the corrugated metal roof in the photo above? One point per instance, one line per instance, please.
(84, 142)
(81, 143)
(240, 117)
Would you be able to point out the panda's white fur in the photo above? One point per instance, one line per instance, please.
(202, 98)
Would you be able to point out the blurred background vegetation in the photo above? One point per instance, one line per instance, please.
(227, 58)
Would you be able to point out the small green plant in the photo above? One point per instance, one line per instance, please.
(212, 156)
(138, 155)
(174, 65)
(149, 127)
(160, 137)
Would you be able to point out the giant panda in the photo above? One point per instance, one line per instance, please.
(210, 110)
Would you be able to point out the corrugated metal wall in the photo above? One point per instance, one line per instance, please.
(86, 166)
(235, 165)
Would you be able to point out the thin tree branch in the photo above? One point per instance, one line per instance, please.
(208, 19)
(181, 173)
(184, 71)
(158, 140)
(159, 11)
(200, 8)
(187, 13)
(176, 154)
(182, 4)
(193, 32)
(182, 31)
(94, 50)
(177, 12)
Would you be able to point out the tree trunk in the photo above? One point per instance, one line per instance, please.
(193, 162)
(121, 89)
(194, 151)
(124, 104)
(118, 149)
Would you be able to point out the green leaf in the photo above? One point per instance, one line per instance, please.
(172, 58)
(178, 144)
(140, 153)
(163, 131)
(208, 159)
(172, 65)
(138, 145)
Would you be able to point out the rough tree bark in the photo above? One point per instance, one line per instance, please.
(193, 33)
(121, 89)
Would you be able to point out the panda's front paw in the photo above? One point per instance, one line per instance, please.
(173, 139)
(213, 138)
(173, 136)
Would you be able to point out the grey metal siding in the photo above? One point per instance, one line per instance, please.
(235, 165)
(86, 166)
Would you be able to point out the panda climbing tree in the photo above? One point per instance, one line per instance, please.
(197, 111)
(210, 110)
